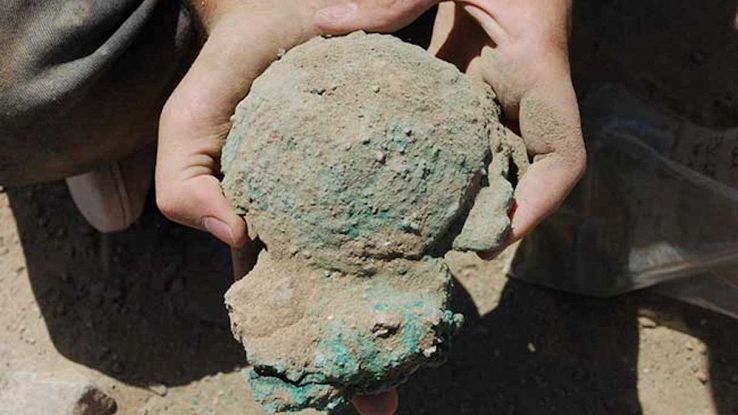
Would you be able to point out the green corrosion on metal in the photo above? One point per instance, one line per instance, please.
(357, 161)
(355, 360)
(272, 393)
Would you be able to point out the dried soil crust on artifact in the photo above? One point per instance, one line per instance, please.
(357, 161)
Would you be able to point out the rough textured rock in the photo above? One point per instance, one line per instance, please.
(34, 393)
(357, 161)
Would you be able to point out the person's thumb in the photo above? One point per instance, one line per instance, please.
(194, 124)
(371, 15)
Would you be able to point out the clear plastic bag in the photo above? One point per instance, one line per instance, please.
(659, 203)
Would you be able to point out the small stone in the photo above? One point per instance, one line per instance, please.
(381, 332)
(375, 89)
(646, 322)
(429, 351)
(36, 393)
(380, 157)
(689, 346)
(702, 377)
(159, 389)
(386, 324)
(531, 348)
(366, 140)
(409, 226)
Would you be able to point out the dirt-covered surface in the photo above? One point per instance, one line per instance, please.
(357, 182)
(141, 313)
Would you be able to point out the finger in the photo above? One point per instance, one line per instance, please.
(383, 404)
(371, 15)
(485, 18)
(193, 127)
(443, 26)
(541, 191)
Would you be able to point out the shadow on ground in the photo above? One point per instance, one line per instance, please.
(537, 352)
(143, 306)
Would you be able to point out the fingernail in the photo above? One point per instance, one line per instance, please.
(337, 13)
(218, 229)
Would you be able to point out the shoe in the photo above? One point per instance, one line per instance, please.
(112, 197)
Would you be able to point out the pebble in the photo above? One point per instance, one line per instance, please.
(380, 157)
(375, 89)
(531, 348)
(43, 393)
(701, 376)
(646, 322)
(159, 389)
(429, 351)
(382, 332)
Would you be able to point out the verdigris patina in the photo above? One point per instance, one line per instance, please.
(357, 161)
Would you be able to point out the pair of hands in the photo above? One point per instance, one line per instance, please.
(519, 47)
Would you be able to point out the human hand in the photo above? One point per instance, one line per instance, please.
(519, 47)
(243, 38)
